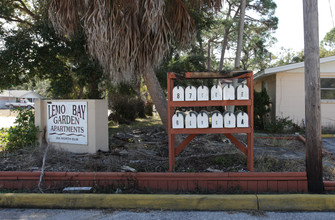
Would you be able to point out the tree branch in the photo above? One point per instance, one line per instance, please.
(26, 9)
(16, 19)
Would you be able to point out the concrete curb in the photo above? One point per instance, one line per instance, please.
(129, 201)
(328, 135)
(291, 202)
(296, 202)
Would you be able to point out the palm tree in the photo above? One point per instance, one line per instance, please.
(130, 37)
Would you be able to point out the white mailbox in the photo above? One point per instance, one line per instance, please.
(242, 119)
(216, 92)
(242, 92)
(228, 92)
(203, 93)
(229, 120)
(217, 120)
(203, 119)
(178, 93)
(191, 120)
(190, 93)
(178, 120)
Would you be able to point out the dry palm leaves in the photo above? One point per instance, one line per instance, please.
(126, 35)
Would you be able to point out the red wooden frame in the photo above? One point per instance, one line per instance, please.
(247, 150)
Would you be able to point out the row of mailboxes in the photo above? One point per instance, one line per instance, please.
(218, 92)
(201, 120)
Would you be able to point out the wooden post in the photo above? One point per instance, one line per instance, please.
(312, 97)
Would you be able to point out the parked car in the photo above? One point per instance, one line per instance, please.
(22, 103)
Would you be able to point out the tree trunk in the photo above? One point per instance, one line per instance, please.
(312, 97)
(157, 94)
(209, 61)
(224, 46)
(240, 35)
(225, 38)
(239, 45)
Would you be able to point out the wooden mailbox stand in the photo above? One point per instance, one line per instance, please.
(193, 132)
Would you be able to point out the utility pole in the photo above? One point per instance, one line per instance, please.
(312, 97)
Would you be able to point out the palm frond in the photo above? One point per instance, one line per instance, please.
(126, 35)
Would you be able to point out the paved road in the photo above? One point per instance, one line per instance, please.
(61, 214)
(6, 122)
(329, 144)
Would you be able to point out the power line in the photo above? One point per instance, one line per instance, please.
(331, 13)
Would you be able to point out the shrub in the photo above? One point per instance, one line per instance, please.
(261, 108)
(127, 109)
(148, 108)
(24, 134)
(140, 107)
(282, 125)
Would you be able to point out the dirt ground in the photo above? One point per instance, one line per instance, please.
(145, 149)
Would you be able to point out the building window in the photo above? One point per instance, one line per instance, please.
(328, 88)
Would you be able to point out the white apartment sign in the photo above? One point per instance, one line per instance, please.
(67, 122)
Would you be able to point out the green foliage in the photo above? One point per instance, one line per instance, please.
(148, 108)
(126, 109)
(329, 40)
(32, 52)
(282, 125)
(287, 56)
(327, 47)
(261, 108)
(24, 134)
(193, 61)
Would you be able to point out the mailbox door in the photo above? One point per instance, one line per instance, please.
(178, 121)
(203, 93)
(191, 121)
(242, 120)
(216, 93)
(229, 120)
(242, 92)
(178, 93)
(217, 120)
(190, 93)
(228, 92)
(202, 120)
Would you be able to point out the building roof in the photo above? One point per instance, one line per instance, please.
(274, 70)
(20, 94)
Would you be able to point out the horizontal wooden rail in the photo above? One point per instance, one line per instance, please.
(209, 130)
(250, 182)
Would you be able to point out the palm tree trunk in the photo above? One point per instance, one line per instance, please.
(157, 94)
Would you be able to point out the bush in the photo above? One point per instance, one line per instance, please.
(24, 134)
(127, 109)
(282, 125)
(261, 108)
(148, 108)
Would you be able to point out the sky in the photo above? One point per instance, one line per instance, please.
(290, 32)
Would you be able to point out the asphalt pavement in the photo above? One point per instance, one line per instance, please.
(329, 144)
(63, 214)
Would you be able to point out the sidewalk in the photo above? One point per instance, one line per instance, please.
(284, 202)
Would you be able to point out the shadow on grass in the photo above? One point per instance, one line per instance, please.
(138, 123)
